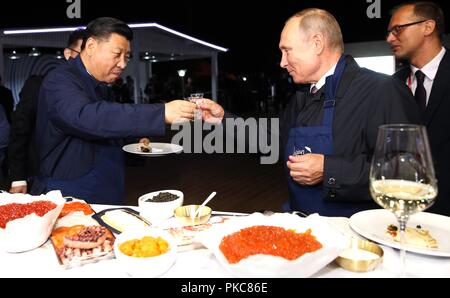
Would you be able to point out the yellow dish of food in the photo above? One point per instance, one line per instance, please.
(145, 247)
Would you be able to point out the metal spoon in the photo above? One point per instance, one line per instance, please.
(195, 214)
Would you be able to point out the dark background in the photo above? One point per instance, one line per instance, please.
(248, 28)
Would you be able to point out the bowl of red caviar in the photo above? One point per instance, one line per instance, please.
(277, 245)
(26, 221)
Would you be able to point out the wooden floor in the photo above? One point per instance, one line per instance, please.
(241, 183)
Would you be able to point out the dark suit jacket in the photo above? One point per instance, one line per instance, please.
(7, 101)
(4, 134)
(22, 155)
(437, 120)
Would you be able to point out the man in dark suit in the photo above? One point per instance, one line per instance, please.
(329, 132)
(4, 135)
(415, 34)
(80, 131)
(22, 156)
(6, 100)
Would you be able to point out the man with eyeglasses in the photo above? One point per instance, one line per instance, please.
(415, 34)
(22, 157)
(73, 47)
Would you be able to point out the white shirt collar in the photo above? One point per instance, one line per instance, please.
(322, 80)
(431, 68)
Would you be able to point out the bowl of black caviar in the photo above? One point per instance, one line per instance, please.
(160, 204)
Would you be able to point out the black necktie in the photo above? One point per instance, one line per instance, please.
(421, 93)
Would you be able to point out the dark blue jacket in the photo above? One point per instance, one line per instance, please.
(74, 118)
(4, 134)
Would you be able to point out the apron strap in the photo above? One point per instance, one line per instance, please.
(328, 111)
(331, 87)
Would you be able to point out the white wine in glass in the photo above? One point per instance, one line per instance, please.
(402, 176)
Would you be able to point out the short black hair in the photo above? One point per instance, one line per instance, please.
(102, 28)
(74, 37)
(428, 11)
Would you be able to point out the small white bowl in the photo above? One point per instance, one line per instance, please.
(159, 210)
(148, 266)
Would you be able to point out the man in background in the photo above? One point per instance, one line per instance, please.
(415, 34)
(6, 100)
(4, 135)
(22, 156)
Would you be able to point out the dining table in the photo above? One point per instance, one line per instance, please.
(202, 263)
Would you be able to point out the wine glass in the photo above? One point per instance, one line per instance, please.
(402, 176)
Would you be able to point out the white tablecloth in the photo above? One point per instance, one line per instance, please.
(42, 262)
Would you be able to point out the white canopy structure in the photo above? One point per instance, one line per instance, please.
(152, 41)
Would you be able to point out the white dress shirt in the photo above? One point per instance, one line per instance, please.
(322, 80)
(430, 70)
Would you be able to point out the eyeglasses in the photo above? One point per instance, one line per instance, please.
(78, 52)
(396, 30)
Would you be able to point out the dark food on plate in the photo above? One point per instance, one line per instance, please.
(145, 147)
(14, 211)
(268, 240)
(81, 242)
(85, 237)
(163, 197)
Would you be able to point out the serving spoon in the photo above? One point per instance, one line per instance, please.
(195, 214)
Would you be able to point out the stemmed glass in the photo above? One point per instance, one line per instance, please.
(402, 176)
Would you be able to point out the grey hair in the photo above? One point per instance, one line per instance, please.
(314, 20)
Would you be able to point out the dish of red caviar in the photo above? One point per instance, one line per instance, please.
(26, 221)
(268, 240)
(279, 245)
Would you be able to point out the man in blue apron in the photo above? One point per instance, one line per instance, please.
(329, 131)
(331, 140)
(79, 132)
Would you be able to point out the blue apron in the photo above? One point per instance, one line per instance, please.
(103, 184)
(319, 140)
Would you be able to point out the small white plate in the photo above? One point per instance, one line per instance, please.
(372, 224)
(158, 149)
